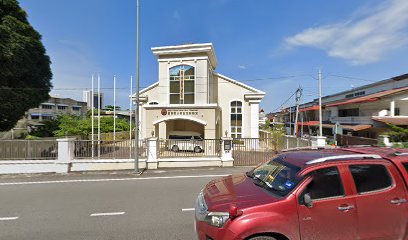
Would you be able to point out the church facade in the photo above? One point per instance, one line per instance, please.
(191, 96)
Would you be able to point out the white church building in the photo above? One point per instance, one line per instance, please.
(191, 96)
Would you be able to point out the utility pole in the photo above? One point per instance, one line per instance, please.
(320, 104)
(298, 96)
(137, 88)
(92, 116)
(290, 120)
(130, 116)
(99, 116)
(114, 109)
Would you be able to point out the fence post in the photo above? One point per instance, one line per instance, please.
(152, 162)
(66, 154)
(318, 141)
(385, 140)
(226, 152)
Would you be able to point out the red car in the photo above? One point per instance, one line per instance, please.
(342, 193)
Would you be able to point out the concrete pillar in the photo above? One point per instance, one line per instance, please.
(254, 132)
(141, 112)
(318, 141)
(392, 108)
(384, 139)
(152, 162)
(163, 130)
(66, 154)
(226, 152)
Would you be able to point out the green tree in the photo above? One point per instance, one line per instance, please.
(76, 126)
(110, 108)
(25, 73)
(71, 125)
(398, 134)
(48, 129)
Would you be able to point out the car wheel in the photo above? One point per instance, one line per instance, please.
(262, 238)
(175, 148)
(197, 149)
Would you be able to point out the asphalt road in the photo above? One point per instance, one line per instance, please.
(155, 205)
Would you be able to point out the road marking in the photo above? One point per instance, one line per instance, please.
(109, 179)
(107, 214)
(187, 209)
(8, 218)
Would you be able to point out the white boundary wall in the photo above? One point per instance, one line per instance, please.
(67, 163)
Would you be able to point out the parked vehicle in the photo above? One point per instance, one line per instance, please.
(185, 141)
(341, 193)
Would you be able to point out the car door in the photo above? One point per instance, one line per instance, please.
(382, 211)
(332, 215)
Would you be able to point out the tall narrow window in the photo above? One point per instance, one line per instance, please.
(182, 84)
(236, 119)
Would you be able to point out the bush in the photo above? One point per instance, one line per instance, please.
(400, 145)
(31, 137)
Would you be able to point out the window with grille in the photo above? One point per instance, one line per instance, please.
(182, 84)
(46, 106)
(236, 119)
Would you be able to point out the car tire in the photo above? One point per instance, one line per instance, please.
(262, 238)
(197, 149)
(175, 148)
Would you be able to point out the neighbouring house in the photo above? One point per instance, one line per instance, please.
(364, 111)
(56, 106)
(47, 110)
(191, 96)
(262, 118)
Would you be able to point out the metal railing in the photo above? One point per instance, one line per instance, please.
(108, 149)
(170, 148)
(294, 142)
(28, 149)
(280, 142)
(252, 151)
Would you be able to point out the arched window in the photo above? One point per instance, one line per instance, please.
(182, 79)
(236, 119)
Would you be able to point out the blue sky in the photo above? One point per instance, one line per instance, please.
(271, 45)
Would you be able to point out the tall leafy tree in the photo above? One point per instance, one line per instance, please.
(25, 73)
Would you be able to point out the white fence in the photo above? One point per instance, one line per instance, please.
(281, 142)
(67, 155)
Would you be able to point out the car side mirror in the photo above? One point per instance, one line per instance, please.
(307, 200)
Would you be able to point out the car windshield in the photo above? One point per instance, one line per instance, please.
(276, 176)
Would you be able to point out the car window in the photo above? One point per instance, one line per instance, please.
(406, 166)
(326, 183)
(278, 177)
(368, 178)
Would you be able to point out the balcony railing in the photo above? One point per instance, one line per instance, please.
(352, 120)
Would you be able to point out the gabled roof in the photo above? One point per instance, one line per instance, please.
(205, 48)
(368, 98)
(148, 88)
(254, 90)
(396, 120)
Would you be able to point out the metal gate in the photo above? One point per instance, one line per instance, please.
(253, 151)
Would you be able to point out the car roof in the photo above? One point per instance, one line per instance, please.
(303, 158)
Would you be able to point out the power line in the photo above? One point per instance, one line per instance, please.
(142, 87)
(287, 100)
(354, 78)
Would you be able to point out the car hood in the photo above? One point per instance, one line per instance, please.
(238, 190)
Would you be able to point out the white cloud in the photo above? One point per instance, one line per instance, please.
(242, 67)
(366, 38)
